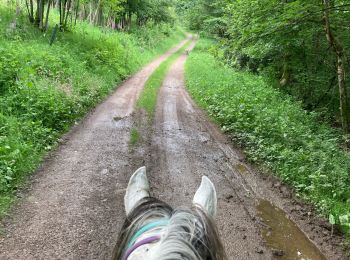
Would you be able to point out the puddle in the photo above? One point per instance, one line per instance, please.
(120, 121)
(284, 236)
(241, 168)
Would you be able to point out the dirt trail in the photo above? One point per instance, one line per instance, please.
(184, 145)
(73, 208)
(185, 150)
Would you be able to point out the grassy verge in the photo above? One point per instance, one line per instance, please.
(275, 132)
(45, 89)
(134, 136)
(148, 98)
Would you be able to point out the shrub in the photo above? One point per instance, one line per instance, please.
(275, 131)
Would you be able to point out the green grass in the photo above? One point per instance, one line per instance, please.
(134, 136)
(148, 98)
(275, 132)
(45, 89)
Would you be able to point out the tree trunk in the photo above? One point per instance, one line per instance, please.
(37, 13)
(96, 18)
(76, 12)
(30, 10)
(90, 13)
(63, 14)
(67, 10)
(41, 13)
(47, 15)
(100, 15)
(285, 71)
(129, 20)
(60, 10)
(339, 52)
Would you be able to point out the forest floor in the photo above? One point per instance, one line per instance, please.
(72, 208)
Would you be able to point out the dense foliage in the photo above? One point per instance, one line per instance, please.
(301, 46)
(117, 14)
(275, 131)
(44, 89)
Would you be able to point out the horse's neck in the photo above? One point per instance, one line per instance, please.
(144, 252)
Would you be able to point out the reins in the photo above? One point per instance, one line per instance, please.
(145, 241)
(132, 246)
(146, 228)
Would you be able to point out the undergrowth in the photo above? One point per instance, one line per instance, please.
(45, 89)
(148, 98)
(275, 132)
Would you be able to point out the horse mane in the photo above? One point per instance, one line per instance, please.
(190, 234)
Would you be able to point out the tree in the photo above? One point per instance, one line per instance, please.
(339, 52)
(285, 40)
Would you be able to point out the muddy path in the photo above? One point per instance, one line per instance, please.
(183, 144)
(73, 206)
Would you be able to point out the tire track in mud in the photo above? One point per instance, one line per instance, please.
(189, 151)
(73, 207)
(184, 145)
